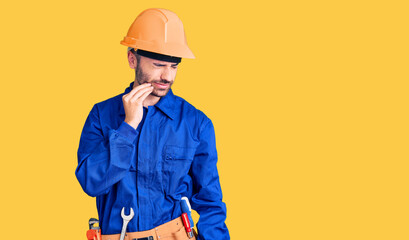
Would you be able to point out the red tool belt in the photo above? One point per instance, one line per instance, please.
(172, 230)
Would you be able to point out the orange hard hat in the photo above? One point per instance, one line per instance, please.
(159, 31)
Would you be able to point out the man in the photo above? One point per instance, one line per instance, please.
(146, 148)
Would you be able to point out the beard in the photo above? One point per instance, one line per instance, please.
(142, 77)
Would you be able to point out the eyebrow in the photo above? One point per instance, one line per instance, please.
(161, 64)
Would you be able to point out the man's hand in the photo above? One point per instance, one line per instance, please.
(133, 103)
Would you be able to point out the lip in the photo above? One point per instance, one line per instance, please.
(162, 86)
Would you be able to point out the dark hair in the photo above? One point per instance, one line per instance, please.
(138, 57)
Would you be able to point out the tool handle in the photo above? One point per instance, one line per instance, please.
(124, 225)
(94, 234)
(186, 208)
(186, 223)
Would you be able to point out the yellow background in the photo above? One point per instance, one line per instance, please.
(309, 100)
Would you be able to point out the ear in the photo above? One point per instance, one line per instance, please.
(132, 60)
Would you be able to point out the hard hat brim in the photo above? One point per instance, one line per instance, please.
(175, 50)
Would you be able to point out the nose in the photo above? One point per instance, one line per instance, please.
(166, 74)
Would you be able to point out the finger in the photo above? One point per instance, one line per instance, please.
(142, 98)
(128, 96)
(137, 88)
(140, 93)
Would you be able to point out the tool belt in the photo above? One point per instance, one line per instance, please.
(172, 230)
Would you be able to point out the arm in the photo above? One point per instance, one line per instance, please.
(103, 162)
(207, 193)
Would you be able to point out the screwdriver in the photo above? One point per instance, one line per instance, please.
(186, 223)
(185, 205)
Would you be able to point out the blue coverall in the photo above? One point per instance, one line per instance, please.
(171, 154)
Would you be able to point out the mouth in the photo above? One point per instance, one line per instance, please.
(161, 86)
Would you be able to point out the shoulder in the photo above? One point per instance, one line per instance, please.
(191, 113)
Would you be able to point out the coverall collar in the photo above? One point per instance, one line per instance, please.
(166, 104)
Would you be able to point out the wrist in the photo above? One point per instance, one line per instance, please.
(133, 124)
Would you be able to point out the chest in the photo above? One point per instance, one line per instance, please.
(164, 146)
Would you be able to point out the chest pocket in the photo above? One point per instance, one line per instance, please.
(176, 164)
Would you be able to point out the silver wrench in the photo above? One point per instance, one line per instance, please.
(126, 220)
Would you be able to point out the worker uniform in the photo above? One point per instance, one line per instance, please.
(171, 154)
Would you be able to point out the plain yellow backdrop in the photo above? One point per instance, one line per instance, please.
(309, 100)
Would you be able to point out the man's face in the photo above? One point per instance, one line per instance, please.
(160, 73)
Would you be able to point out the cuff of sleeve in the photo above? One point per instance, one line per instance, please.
(128, 132)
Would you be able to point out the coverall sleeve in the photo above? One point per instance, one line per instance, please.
(207, 193)
(103, 160)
